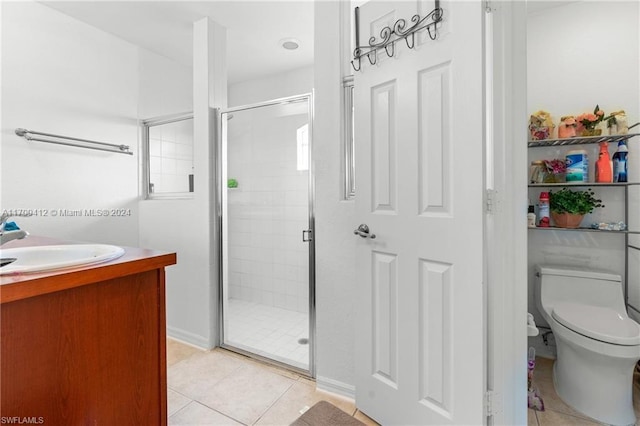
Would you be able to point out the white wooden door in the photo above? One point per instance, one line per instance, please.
(419, 169)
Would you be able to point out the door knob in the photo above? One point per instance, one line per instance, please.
(363, 231)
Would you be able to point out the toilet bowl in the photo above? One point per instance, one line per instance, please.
(598, 344)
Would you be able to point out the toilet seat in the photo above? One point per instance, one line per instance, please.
(603, 324)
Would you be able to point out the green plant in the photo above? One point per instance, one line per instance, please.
(574, 202)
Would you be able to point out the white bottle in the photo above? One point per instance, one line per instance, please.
(531, 217)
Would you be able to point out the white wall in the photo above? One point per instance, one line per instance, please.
(188, 226)
(582, 54)
(295, 82)
(64, 77)
(166, 88)
(335, 218)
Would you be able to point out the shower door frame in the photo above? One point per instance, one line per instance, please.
(308, 97)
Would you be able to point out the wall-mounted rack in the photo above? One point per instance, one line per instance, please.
(390, 35)
(580, 140)
(618, 185)
(63, 140)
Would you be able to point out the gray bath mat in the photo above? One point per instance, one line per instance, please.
(325, 414)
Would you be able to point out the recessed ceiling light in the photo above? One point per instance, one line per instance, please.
(290, 43)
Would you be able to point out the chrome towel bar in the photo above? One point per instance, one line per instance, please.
(100, 146)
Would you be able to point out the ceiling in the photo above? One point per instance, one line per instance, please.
(254, 29)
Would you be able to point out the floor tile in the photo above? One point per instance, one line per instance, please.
(554, 418)
(195, 376)
(177, 351)
(301, 395)
(365, 419)
(198, 414)
(532, 420)
(636, 402)
(246, 394)
(555, 408)
(175, 402)
(543, 380)
(263, 364)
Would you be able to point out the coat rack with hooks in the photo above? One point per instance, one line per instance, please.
(390, 35)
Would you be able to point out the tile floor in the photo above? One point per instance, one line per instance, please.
(268, 331)
(223, 388)
(219, 387)
(557, 412)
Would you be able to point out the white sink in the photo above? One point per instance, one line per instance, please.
(47, 258)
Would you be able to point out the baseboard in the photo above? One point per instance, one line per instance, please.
(335, 386)
(188, 338)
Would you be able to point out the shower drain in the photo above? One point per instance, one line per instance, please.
(303, 341)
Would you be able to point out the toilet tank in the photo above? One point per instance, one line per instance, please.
(591, 287)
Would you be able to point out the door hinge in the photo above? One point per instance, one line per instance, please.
(492, 403)
(491, 196)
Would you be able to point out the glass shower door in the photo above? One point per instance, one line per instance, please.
(267, 252)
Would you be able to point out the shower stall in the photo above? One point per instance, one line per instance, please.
(267, 223)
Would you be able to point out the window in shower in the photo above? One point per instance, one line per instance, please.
(302, 138)
(267, 247)
(168, 147)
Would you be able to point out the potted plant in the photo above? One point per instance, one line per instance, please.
(569, 207)
(589, 121)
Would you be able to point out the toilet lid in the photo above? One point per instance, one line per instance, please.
(598, 323)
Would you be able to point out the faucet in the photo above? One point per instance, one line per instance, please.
(18, 234)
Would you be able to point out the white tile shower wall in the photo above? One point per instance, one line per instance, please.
(171, 156)
(268, 261)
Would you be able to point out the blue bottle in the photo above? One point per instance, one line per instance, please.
(620, 163)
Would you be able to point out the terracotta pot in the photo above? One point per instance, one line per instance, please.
(567, 220)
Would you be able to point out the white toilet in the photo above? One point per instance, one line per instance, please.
(598, 344)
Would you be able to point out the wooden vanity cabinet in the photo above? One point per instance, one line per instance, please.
(86, 346)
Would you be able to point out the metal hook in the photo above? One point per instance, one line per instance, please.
(435, 33)
(390, 34)
(393, 49)
(413, 41)
(354, 65)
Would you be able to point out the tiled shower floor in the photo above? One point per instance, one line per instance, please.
(268, 331)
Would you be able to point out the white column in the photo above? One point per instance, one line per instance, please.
(335, 219)
(209, 92)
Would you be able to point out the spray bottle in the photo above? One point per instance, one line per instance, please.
(603, 165)
(620, 163)
(543, 210)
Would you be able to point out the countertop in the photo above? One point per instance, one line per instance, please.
(22, 286)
